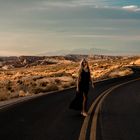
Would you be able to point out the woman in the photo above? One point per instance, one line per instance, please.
(83, 82)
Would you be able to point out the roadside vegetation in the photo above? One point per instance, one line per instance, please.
(27, 81)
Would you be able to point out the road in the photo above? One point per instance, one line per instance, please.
(49, 117)
(119, 116)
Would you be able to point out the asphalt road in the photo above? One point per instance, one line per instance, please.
(49, 118)
(119, 117)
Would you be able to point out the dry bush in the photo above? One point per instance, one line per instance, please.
(37, 77)
(43, 84)
(22, 93)
(113, 75)
(14, 95)
(60, 74)
(120, 72)
(34, 86)
(57, 81)
(48, 88)
(4, 95)
(68, 84)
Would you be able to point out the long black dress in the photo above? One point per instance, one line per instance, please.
(84, 81)
(83, 84)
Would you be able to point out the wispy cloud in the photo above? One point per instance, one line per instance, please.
(131, 8)
(70, 4)
(45, 5)
(105, 4)
(116, 37)
(49, 5)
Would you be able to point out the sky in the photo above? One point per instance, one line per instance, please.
(33, 27)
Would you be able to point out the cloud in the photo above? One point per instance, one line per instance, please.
(116, 37)
(131, 8)
(69, 4)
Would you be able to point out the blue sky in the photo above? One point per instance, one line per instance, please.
(33, 27)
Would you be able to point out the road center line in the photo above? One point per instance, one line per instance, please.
(95, 116)
(85, 123)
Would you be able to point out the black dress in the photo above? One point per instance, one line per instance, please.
(83, 84)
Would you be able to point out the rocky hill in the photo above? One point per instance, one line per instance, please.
(27, 61)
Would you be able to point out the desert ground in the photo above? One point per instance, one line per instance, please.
(29, 75)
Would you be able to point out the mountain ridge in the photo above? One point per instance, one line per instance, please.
(78, 51)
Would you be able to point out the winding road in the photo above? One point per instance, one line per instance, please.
(113, 108)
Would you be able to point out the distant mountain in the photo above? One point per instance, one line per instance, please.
(79, 51)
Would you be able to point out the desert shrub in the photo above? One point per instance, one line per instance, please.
(9, 88)
(22, 93)
(52, 87)
(12, 90)
(14, 95)
(37, 77)
(73, 83)
(60, 74)
(8, 84)
(4, 95)
(43, 84)
(48, 88)
(33, 84)
(19, 82)
(68, 84)
(57, 81)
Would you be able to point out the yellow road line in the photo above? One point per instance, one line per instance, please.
(85, 123)
(95, 116)
(83, 131)
(94, 120)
